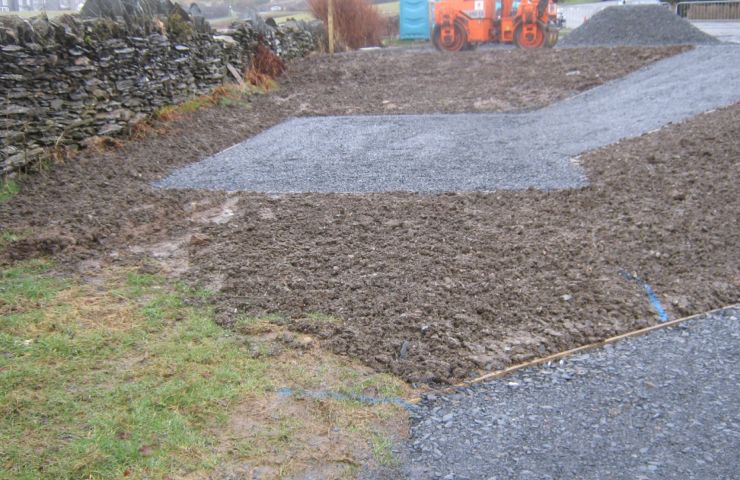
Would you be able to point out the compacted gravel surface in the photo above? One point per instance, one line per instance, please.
(469, 152)
(664, 405)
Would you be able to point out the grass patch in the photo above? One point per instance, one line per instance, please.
(8, 237)
(322, 318)
(134, 379)
(382, 450)
(249, 325)
(380, 385)
(389, 9)
(113, 383)
(8, 189)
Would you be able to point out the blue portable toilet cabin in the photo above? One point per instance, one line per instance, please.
(414, 19)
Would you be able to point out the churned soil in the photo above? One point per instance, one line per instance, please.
(430, 287)
(436, 287)
(396, 81)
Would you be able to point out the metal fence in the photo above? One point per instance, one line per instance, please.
(704, 10)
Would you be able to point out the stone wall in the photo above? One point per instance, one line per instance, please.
(66, 80)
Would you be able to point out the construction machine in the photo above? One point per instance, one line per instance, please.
(464, 24)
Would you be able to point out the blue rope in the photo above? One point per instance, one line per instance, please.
(650, 293)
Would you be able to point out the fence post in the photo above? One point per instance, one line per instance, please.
(330, 26)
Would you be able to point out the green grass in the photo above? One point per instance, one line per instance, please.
(222, 22)
(8, 189)
(383, 450)
(7, 239)
(389, 9)
(133, 378)
(130, 384)
(322, 318)
(382, 384)
(8, 236)
(282, 17)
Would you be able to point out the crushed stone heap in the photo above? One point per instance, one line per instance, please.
(636, 25)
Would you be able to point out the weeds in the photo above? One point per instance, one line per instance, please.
(224, 95)
(265, 68)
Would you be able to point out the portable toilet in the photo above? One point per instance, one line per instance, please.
(414, 19)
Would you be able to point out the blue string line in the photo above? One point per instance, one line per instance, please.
(657, 306)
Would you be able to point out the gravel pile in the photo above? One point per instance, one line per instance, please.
(636, 25)
(665, 405)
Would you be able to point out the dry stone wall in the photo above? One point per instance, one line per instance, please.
(67, 80)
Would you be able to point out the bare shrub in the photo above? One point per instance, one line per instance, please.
(357, 23)
(265, 68)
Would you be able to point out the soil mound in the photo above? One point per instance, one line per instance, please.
(636, 25)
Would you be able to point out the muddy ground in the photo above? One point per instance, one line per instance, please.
(478, 281)
(432, 288)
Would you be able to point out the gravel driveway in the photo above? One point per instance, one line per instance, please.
(664, 405)
(469, 152)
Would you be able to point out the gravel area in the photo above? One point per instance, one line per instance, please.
(636, 25)
(490, 151)
(664, 405)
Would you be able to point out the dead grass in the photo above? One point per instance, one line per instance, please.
(230, 94)
(357, 23)
(264, 68)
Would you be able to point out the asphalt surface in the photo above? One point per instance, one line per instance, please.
(469, 152)
(662, 406)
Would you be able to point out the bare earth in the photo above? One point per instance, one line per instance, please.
(431, 287)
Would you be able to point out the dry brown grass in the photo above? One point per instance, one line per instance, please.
(265, 68)
(357, 23)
